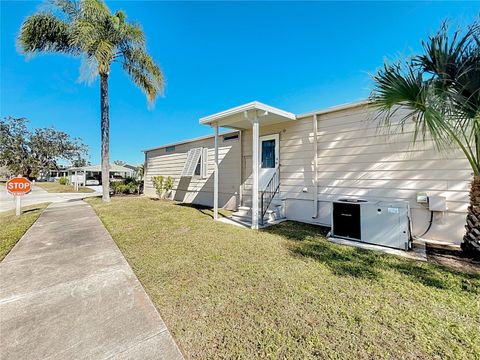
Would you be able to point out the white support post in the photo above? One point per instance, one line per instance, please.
(18, 205)
(215, 181)
(315, 166)
(255, 166)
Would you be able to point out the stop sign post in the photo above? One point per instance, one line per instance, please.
(18, 186)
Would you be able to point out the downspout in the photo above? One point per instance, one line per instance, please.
(144, 171)
(240, 189)
(315, 167)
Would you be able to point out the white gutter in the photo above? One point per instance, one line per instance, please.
(315, 166)
(189, 140)
(254, 105)
(335, 108)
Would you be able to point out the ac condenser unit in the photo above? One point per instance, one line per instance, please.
(374, 222)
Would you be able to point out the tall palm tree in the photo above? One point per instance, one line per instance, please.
(88, 29)
(440, 89)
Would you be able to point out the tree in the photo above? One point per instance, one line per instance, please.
(440, 89)
(140, 171)
(89, 30)
(28, 153)
(80, 162)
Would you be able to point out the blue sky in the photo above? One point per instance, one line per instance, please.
(297, 56)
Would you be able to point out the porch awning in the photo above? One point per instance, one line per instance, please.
(238, 118)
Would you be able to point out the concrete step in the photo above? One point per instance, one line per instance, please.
(244, 214)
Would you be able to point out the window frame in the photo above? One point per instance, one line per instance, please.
(202, 165)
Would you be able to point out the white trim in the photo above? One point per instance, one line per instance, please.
(315, 166)
(215, 178)
(335, 108)
(188, 141)
(254, 105)
(193, 157)
(255, 169)
(275, 137)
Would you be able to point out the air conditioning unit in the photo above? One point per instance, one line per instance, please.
(375, 222)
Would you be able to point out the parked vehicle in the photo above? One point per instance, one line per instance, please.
(92, 182)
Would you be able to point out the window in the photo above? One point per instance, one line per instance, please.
(170, 149)
(230, 137)
(196, 163)
(268, 154)
(198, 168)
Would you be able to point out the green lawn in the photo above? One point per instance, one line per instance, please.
(286, 293)
(55, 187)
(13, 227)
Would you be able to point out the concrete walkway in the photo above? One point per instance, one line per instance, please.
(68, 293)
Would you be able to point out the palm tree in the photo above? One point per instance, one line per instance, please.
(440, 90)
(89, 30)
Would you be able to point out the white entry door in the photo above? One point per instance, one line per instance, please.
(269, 159)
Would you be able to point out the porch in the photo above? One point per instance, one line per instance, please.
(260, 161)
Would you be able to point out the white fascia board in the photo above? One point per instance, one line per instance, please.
(254, 105)
(189, 141)
(335, 108)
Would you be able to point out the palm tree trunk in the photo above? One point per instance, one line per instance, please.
(105, 129)
(471, 240)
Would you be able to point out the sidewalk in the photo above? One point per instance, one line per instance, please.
(68, 293)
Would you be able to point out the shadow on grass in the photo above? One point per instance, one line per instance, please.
(205, 210)
(31, 210)
(309, 241)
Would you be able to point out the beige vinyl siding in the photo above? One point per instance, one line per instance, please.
(196, 189)
(357, 158)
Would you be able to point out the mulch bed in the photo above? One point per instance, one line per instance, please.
(453, 258)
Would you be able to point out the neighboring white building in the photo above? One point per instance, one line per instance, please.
(306, 161)
(90, 172)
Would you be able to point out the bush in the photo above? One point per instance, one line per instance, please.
(158, 184)
(63, 181)
(121, 188)
(162, 186)
(168, 184)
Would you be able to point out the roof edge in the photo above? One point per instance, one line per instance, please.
(245, 107)
(188, 141)
(335, 108)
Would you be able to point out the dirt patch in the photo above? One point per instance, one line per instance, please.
(453, 258)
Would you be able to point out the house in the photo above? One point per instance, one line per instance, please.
(94, 172)
(299, 164)
(53, 174)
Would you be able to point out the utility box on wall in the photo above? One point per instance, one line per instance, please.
(374, 222)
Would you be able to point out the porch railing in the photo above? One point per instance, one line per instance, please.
(266, 195)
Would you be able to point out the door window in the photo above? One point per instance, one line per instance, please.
(268, 154)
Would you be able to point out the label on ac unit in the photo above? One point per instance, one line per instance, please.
(392, 210)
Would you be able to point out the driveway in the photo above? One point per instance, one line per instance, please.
(67, 292)
(37, 196)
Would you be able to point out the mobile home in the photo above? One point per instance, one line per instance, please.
(298, 164)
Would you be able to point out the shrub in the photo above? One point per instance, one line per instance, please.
(168, 184)
(158, 183)
(63, 181)
(162, 185)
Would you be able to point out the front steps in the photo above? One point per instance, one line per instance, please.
(274, 213)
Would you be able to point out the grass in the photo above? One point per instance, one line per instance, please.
(286, 292)
(55, 187)
(13, 227)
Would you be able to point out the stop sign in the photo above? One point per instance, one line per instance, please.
(19, 186)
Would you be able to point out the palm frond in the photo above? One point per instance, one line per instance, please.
(144, 72)
(88, 28)
(45, 33)
(439, 90)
